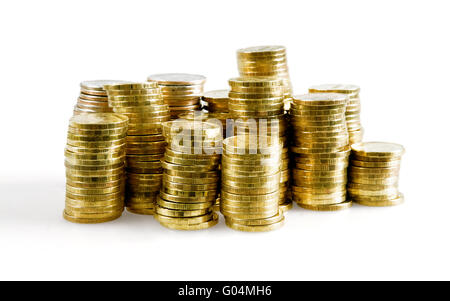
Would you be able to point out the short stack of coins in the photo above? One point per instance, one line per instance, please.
(216, 101)
(93, 97)
(266, 61)
(250, 183)
(143, 105)
(353, 109)
(373, 173)
(95, 161)
(190, 178)
(181, 91)
(258, 102)
(320, 150)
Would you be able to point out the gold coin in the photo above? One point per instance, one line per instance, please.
(373, 187)
(143, 211)
(319, 190)
(98, 121)
(131, 86)
(86, 204)
(192, 181)
(254, 82)
(95, 133)
(73, 210)
(177, 79)
(381, 203)
(89, 220)
(252, 228)
(258, 222)
(378, 150)
(94, 179)
(192, 174)
(212, 222)
(189, 187)
(95, 197)
(248, 190)
(182, 213)
(335, 88)
(90, 191)
(330, 207)
(183, 206)
(187, 197)
(99, 85)
(102, 215)
(321, 99)
(374, 181)
(261, 51)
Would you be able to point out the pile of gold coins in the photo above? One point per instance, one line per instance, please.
(266, 61)
(320, 149)
(250, 183)
(143, 105)
(352, 111)
(94, 160)
(256, 104)
(373, 173)
(190, 179)
(181, 91)
(93, 98)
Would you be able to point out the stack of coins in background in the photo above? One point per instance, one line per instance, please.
(216, 101)
(320, 151)
(181, 91)
(353, 109)
(373, 173)
(93, 98)
(259, 102)
(94, 160)
(250, 183)
(266, 61)
(143, 105)
(191, 175)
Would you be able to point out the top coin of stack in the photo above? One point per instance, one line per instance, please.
(94, 160)
(190, 180)
(353, 109)
(255, 97)
(216, 101)
(266, 61)
(93, 98)
(145, 145)
(373, 173)
(181, 91)
(320, 151)
(250, 183)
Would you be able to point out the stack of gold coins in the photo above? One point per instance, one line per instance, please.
(181, 91)
(266, 61)
(94, 160)
(216, 101)
(250, 183)
(353, 110)
(373, 173)
(257, 105)
(190, 179)
(255, 97)
(320, 151)
(93, 98)
(143, 105)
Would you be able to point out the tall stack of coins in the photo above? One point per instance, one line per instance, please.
(190, 179)
(250, 183)
(216, 101)
(373, 173)
(320, 151)
(143, 105)
(258, 103)
(93, 98)
(181, 91)
(266, 61)
(353, 109)
(94, 160)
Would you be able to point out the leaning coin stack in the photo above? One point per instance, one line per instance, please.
(266, 61)
(257, 104)
(181, 91)
(373, 173)
(93, 98)
(320, 151)
(250, 183)
(94, 160)
(353, 109)
(190, 179)
(143, 105)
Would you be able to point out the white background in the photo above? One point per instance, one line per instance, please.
(397, 51)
